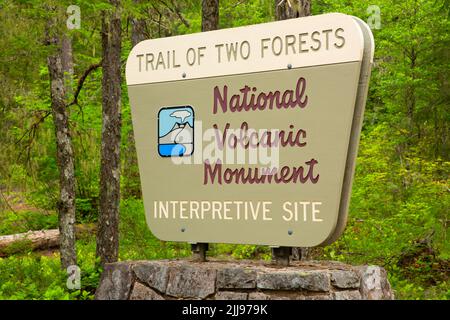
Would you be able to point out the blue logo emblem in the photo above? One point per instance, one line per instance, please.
(176, 131)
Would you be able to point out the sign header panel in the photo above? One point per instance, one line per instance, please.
(312, 41)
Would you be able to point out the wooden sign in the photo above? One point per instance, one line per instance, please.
(249, 135)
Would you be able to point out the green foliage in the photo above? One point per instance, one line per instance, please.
(236, 13)
(23, 221)
(400, 202)
(17, 247)
(86, 210)
(28, 277)
(398, 218)
(38, 277)
(240, 251)
(32, 276)
(136, 240)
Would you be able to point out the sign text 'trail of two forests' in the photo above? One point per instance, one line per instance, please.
(249, 135)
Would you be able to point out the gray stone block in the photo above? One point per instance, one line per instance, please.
(115, 283)
(347, 295)
(319, 297)
(224, 280)
(230, 295)
(345, 279)
(236, 278)
(374, 284)
(191, 282)
(258, 296)
(141, 292)
(152, 273)
(294, 280)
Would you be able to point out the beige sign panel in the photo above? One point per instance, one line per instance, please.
(249, 135)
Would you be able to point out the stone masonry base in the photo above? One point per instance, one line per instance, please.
(243, 280)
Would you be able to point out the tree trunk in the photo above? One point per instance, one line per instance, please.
(210, 15)
(65, 160)
(37, 240)
(108, 221)
(43, 239)
(131, 186)
(138, 27)
(67, 63)
(210, 21)
(288, 9)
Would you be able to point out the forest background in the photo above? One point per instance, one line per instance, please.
(399, 212)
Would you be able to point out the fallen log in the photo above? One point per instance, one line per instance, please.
(37, 240)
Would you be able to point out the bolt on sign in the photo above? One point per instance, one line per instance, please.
(249, 135)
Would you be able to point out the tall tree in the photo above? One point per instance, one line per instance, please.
(210, 15)
(131, 186)
(288, 9)
(67, 62)
(108, 222)
(138, 28)
(210, 21)
(60, 67)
